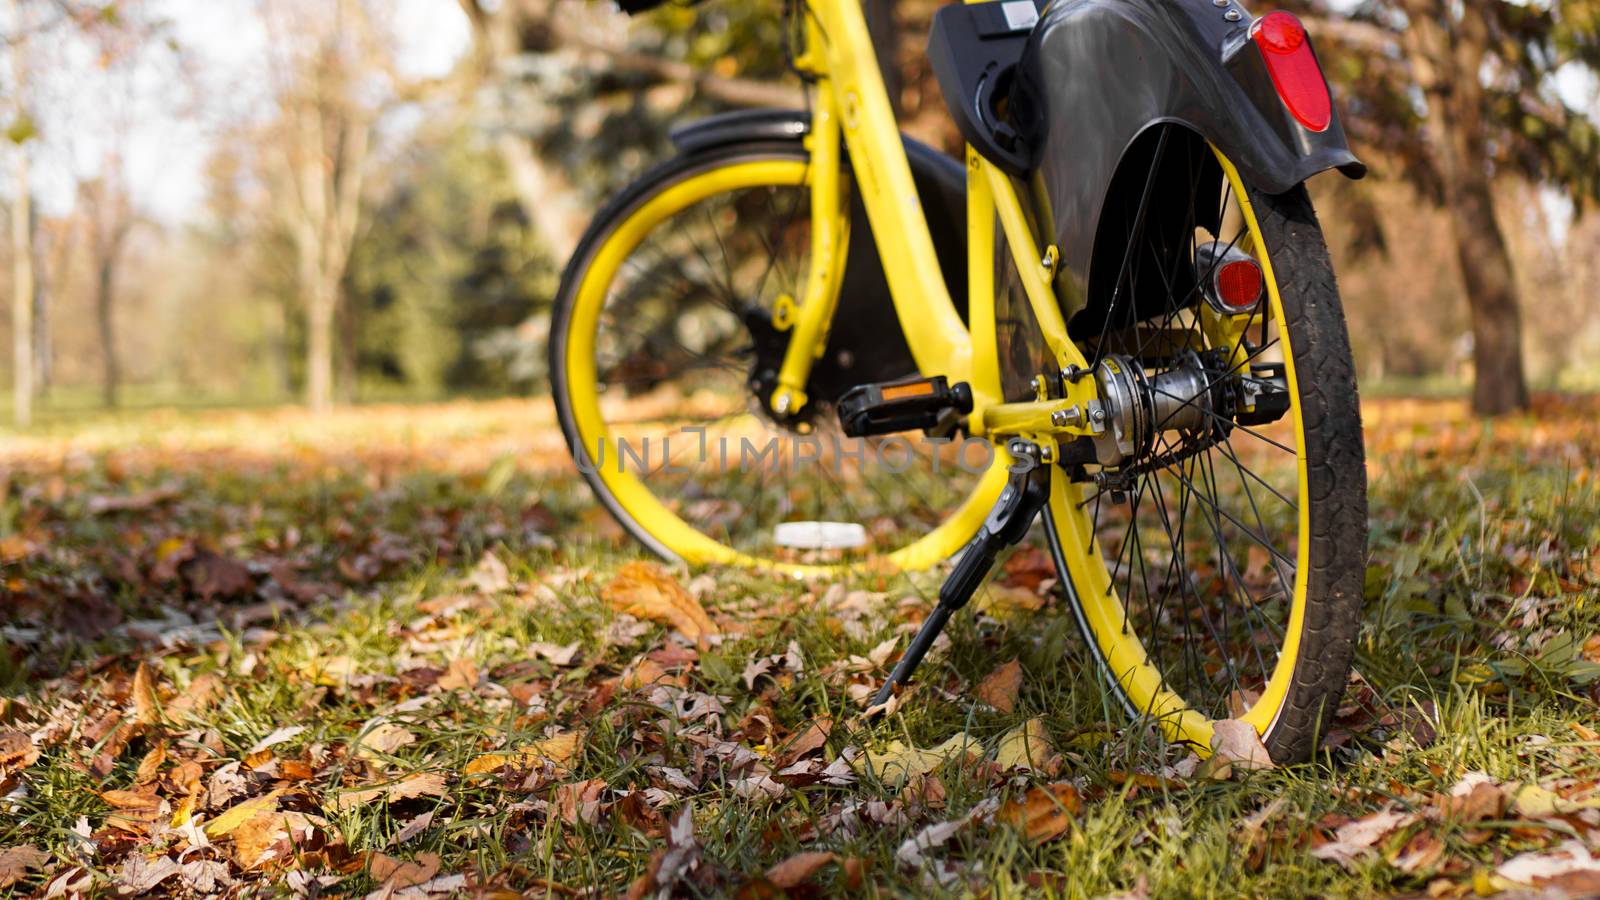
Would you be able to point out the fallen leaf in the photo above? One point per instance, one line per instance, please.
(1043, 813)
(102, 504)
(1238, 744)
(558, 750)
(131, 799)
(1025, 747)
(580, 802)
(1423, 851)
(1541, 868)
(1536, 802)
(15, 862)
(17, 751)
(393, 874)
(673, 862)
(462, 674)
(385, 737)
(897, 763)
(807, 742)
(213, 575)
(1474, 798)
(557, 654)
(145, 710)
(490, 575)
(1000, 689)
(758, 787)
(287, 733)
(646, 590)
(422, 784)
(140, 875)
(798, 869)
(411, 828)
(241, 813)
(198, 696)
(1354, 840)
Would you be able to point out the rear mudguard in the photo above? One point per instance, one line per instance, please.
(865, 343)
(1101, 80)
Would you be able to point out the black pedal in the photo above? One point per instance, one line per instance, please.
(926, 404)
(1270, 382)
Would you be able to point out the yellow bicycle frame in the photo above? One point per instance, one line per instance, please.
(853, 107)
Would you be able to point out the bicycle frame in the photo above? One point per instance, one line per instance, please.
(852, 108)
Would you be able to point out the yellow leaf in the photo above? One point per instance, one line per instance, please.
(1536, 802)
(558, 750)
(241, 813)
(1025, 747)
(897, 763)
(646, 590)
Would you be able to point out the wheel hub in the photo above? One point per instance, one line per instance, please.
(1140, 404)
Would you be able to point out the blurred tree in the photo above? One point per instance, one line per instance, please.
(20, 133)
(1456, 94)
(330, 64)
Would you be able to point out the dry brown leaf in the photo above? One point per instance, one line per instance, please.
(385, 737)
(580, 802)
(1000, 689)
(798, 869)
(1569, 863)
(462, 674)
(151, 764)
(395, 873)
(1042, 813)
(198, 696)
(1355, 839)
(558, 750)
(145, 711)
(254, 840)
(808, 741)
(422, 784)
(1238, 744)
(131, 799)
(1025, 747)
(1474, 798)
(17, 750)
(15, 862)
(648, 591)
(281, 735)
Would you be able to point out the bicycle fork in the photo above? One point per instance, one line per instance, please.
(1026, 493)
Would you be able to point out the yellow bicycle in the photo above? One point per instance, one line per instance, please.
(1121, 294)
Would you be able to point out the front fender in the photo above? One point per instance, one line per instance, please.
(1097, 74)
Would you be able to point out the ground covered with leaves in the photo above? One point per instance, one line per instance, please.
(398, 653)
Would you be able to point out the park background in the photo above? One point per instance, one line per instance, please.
(337, 202)
(299, 591)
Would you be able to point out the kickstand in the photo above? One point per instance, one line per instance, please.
(1025, 493)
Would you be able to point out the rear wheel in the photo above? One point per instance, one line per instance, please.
(1216, 569)
(666, 336)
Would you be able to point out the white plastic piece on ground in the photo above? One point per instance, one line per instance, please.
(820, 535)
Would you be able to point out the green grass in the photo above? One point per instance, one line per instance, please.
(1482, 592)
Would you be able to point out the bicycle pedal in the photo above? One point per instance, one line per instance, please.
(925, 404)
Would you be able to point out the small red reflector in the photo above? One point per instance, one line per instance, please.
(1294, 69)
(1239, 284)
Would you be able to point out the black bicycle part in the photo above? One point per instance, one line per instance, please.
(1026, 493)
(927, 404)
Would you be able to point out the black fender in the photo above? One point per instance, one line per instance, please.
(866, 343)
(1100, 78)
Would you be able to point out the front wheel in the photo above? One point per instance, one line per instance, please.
(1217, 571)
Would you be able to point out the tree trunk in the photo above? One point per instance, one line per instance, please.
(319, 344)
(105, 297)
(1499, 386)
(21, 246)
(1447, 52)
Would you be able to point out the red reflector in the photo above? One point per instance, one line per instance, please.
(1294, 69)
(1239, 284)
